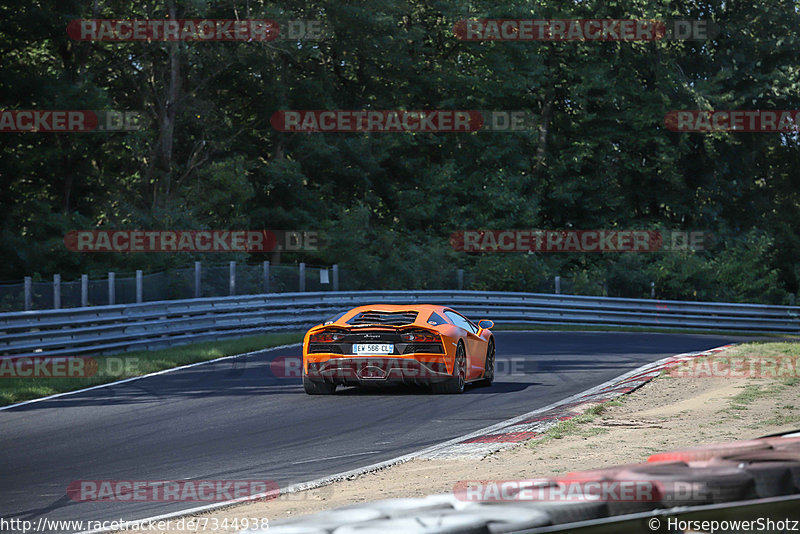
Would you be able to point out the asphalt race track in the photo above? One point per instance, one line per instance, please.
(234, 420)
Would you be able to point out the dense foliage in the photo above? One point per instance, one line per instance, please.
(388, 202)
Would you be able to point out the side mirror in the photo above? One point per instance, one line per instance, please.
(486, 324)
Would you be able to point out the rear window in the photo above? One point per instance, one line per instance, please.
(385, 318)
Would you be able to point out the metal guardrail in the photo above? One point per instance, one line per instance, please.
(120, 328)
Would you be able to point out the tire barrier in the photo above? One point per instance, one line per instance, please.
(739, 480)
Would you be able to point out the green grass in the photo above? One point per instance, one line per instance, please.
(575, 426)
(752, 393)
(764, 386)
(602, 328)
(597, 409)
(109, 368)
(765, 349)
(748, 396)
(781, 420)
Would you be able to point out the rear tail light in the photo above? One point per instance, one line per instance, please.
(326, 337)
(420, 336)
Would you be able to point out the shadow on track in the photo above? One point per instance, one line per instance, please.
(403, 390)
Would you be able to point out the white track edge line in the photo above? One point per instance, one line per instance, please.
(324, 481)
(157, 373)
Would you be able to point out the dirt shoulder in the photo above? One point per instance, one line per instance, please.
(667, 413)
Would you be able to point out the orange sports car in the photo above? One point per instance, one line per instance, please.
(421, 344)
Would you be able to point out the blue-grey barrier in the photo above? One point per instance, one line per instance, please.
(109, 329)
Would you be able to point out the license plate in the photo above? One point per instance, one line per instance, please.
(373, 348)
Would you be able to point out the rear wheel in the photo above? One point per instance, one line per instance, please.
(488, 371)
(318, 388)
(454, 384)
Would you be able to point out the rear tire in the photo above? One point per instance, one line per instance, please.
(318, 388)
(455, 384)
(488, 372)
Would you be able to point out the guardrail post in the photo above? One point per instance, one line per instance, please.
(232, 278)
(302, 277)
(112, 290)
(139, 287)
(335, 269)
(558, 285)
(56, 291)
(84, 290)
(652, 290)
(791, 299)
(197, 270)
(460, 277)
(266, 277)
(28, 293)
